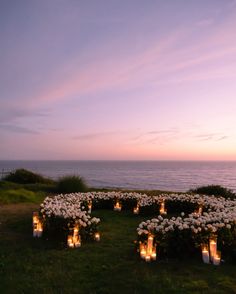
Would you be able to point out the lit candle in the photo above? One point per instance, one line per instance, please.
(154, 254)
(70, 241)
(97, 236)
(205, 255)
(136, 210)
(76, 230)
(35, 217)
(142, 250)
(77, 242)
(148, 258)
(90, 206)
(37, 225)
(162, 208)
(213, 248)
(39, 229)
(217, 258)
(35, 231)
(149, 244)
(117, 206)
(74, 239)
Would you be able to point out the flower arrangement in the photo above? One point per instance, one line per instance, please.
(62, 213)
(194, 220)
(185, 234)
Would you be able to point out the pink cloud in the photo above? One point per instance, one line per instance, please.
(159, 60)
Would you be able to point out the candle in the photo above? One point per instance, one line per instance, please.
(35, 218)
(37, 225)
(162, 208)
(77, 242)
(217, 258)
(117, 206)
(142, 250)
(148, 258)
(35, 232)
(213, 248)
(70, 241)
(154, 255)
(205, 255)
(76, 230)
(149, 244)
(39, 229)
(97, 236)
(74, 239)
(136, 210)
(90, 206)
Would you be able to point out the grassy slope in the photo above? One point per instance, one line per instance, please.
(19, 193)
(30, 265)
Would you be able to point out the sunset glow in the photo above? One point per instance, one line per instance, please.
(132, 80)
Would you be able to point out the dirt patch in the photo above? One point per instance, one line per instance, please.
(10, 211)
(16, 223)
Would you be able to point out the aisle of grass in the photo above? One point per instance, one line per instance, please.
(30, 265)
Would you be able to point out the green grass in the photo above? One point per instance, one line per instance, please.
(19, 196)
(30, 265)
(20, 193)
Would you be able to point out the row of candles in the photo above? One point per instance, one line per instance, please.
(162, 210)
(210, 253)
(118, 207)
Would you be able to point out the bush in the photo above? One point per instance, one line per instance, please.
(23, 176)
(71, 184)
(215, 190)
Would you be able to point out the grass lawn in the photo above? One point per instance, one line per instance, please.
(30, 265)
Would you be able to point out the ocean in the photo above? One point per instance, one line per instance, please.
(179, 176)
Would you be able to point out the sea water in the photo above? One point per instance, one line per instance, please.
(162, 175)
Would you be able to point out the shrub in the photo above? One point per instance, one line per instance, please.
(71, 184)
(215, 190)
(23, 176)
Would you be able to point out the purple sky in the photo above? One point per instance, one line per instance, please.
(118, 79)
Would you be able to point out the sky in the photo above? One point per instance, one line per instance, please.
(118, 80)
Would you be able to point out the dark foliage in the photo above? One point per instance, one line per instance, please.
(178, 207)
(215, 190)
(71, 184)
(23, 176)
